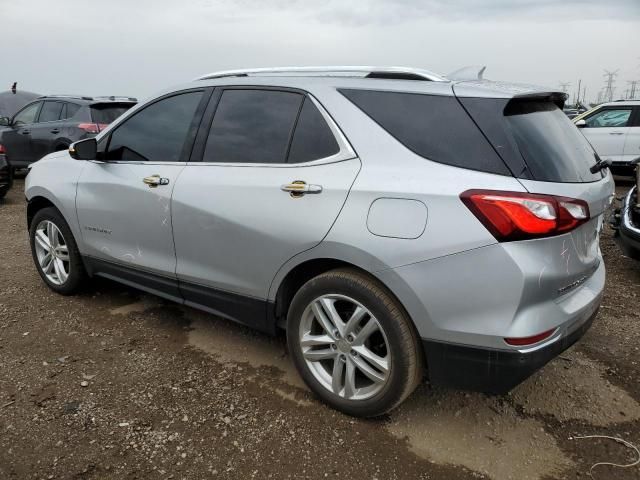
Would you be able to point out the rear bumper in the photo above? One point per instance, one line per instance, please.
(495, 371)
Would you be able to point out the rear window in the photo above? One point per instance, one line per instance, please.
(107, 113)
(553, 148)
(434, 127)
(535, 138)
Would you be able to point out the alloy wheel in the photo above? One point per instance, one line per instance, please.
(52, 252)
(345, 347)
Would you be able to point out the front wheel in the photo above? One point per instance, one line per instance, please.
(353, 344)
(55, 252)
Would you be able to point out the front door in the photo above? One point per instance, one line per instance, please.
(124, 197)
(17, 139)
(606, 130)
(274, 175)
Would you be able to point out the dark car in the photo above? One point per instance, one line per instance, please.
(627, 219)
(6, 174)
(52, 123)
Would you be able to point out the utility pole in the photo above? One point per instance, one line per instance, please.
(633, 87)
(577, 97)
(610, 77)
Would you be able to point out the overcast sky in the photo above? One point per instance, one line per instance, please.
(137, 47)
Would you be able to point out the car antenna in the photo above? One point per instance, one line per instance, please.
(14, 87)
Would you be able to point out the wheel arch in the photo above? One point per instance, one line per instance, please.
(37, 203)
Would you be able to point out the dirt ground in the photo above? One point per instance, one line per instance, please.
(113, 383)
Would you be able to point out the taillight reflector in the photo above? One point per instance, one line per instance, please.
(519, 216)
(93, 127)
(523, 341)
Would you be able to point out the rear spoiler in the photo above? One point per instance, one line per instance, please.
(113, 98)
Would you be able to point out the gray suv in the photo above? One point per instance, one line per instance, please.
(396, 224)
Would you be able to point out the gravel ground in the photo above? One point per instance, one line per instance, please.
(113, 383)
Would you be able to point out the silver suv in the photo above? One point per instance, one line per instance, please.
(395, 223)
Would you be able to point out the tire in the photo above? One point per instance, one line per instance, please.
(74, 268)
(397, 361)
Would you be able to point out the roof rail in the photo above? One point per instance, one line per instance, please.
(395, 73)
(114, 98)
(77, 97)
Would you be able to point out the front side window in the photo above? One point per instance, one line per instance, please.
(609, 118)
(156, 133)
(28, 115)
(252, 126)
(50, 112)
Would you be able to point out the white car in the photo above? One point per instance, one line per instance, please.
(613, 129)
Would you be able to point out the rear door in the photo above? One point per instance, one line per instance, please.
(632, 142)
(273, 176)
(123, 198)
(17, 139)
(607, 130)
(47, 129)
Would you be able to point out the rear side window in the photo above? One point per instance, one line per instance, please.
(156, 133)
(50, 112)
(434, 127)
(105, 114)
(252, 126)
(71, 110)
(553, 148)
(313, 139)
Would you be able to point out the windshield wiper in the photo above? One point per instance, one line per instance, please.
(600, 165)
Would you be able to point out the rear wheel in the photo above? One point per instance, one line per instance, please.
(55, 252)
(353, 343)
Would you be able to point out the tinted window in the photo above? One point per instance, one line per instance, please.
(71, 110)
(50, 112)
(435, 127)
(313, 138)
(609, 118)
(106, 114)
(28, 115)
(157, 133)
(252, 126)
(553, 148)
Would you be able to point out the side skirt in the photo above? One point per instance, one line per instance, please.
(252, 312)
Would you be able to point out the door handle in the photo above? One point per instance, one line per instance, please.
(25, 132)
(297, 188)
(155, 180)
(616, 133)
(55, 130)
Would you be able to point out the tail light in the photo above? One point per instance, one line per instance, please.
(2, 150)
(519, 216)
(93, 127)
(524, 341)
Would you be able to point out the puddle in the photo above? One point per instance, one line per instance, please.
(231, 343)
(478, 432)
(145, 303)
(574, 387)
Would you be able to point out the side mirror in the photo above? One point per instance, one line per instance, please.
(84, 149)
(581, 123)
(5, 122)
